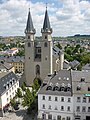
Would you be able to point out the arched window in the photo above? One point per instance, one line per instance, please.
(45, 44)
(28, 37)
(37, 70)
(45, 36)
(29, 45)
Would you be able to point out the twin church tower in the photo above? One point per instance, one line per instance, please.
(39, 58)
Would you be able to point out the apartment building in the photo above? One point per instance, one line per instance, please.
(65, 96)
(8, 88)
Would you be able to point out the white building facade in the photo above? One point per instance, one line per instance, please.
(55, 107)
(8, 89)
(65, 97)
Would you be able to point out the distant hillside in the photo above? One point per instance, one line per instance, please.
(78, 37)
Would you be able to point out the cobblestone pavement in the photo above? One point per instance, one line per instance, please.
(17, 115)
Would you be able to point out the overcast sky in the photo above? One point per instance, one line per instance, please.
(67, 17)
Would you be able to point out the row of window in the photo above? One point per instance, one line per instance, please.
(79, 88)
(19, 67)
(45, 45)
(56, 99)
(84, 99)
(21, 63)
(11, 89)
(11, 96)
(78, 109)
(62, 108)
(44, 37)
(58, 117)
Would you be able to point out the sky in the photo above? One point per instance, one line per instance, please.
(67, 17)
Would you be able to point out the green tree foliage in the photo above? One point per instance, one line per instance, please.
(27, 98)
(23, 86)
(21, 53)
(78, 46)
(30, 96)
(13, 102)
(19, 93)
(36, 85)
(68, 57)
(59, 46)
(86, 58)
(77, 53)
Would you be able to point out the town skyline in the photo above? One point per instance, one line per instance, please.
(67, 17)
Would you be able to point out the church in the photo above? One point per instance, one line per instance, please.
(41, 56)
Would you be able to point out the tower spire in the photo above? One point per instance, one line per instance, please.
(46, 24)
(46, 6)
(29, 26)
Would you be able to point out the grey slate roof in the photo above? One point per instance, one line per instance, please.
(86, 67)
(77, 77)
(66, 65)
(5, 65)
(12, 59)
(57, 51)
(74, 64)
(63, 77)
(29, 26)
(6, 79)
(46, 21)
(46, 24)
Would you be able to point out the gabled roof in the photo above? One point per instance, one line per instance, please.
(74, 64)
(29, 26)
(76, 81)
(5, 80)
(63, 77)
(86, 67)
(5, 65)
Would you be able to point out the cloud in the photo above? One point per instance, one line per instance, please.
(71, 17)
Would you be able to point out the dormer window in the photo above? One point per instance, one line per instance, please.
(68, 89)
(49, 88)
(62, 88)
(56, 88)
(82, 79)
(88, 88)
(78, 88)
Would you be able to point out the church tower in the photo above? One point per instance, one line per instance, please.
(38, 53)
(29, 50)
(46, 47)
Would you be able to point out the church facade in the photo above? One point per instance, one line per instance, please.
(41, 57)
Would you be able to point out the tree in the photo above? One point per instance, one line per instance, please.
(23, 86)
(59, 46)
(36, 85)
(19, 93)
(27, 98)
(13, 102)
(77, 46)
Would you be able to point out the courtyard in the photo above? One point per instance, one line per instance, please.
(20, 114)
